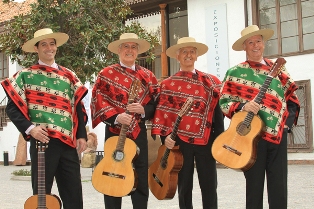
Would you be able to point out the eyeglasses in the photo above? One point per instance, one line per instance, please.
(191, 51)
(127, 46)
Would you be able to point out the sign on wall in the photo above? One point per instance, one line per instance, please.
(216, 30)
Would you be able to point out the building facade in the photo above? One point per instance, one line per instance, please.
(219, 25)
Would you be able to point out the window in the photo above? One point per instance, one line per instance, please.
(4, 70)
(293, 23)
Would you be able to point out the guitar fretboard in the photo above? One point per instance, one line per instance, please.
(41, 180)
(172, 136)
(249, 117)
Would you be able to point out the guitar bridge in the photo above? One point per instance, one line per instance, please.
(113, 175)
(157, 180)
(232, 149)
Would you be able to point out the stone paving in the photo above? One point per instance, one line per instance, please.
(231, 190)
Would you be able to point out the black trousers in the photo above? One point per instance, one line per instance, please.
(140, 195)
(207, 175)
(272, 160)
(61, 162)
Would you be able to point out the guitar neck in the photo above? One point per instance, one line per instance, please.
(258, 99)
(175, 128)
(41, 180)
(124, 129)
(122, 137)
(263, 90)
(173, 137)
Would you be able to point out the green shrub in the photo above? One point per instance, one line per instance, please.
(22, 172)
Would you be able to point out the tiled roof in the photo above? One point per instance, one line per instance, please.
(8, 11)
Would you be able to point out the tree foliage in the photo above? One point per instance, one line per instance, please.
(91, 25)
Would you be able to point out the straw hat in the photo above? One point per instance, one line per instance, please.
(250, 31)
(42, 34)
(129, 37)
(186, 42)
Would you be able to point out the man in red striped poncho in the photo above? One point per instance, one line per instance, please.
(198, 128)
(110, 106)
(278, 110)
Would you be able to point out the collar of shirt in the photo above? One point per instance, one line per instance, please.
(263, 62)
(54, 65)
(193, 71)
(123, 65)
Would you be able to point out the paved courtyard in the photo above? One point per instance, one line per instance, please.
(231, 190)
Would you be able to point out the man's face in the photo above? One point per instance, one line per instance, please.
(128, 53)
(46, 50)
(187, 56)
(254, 47)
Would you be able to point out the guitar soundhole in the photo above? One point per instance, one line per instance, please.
(118, 155)
(243, 129)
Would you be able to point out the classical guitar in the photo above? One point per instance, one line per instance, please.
(42, 200)
(163, 172)
(114, 175)
(236, 147)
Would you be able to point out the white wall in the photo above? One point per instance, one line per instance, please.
(8, 141)
(235, 23)
(10, 135)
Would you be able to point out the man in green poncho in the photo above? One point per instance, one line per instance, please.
(44, 103)
(278, 110)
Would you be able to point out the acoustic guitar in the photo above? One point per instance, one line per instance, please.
(163, 172)
(236, 147)
(114, 175)
(42, 200)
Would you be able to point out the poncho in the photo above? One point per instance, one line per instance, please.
(195, 126)
(242, 83)
(48, 97)
(110, 95)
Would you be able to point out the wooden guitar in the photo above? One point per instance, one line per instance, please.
(114, 175)
(42, 200)
(163, 173)
(236, 147)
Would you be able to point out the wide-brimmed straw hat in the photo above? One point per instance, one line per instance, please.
(129, 37)
(250, 31)
(42, 34)
(186, 42)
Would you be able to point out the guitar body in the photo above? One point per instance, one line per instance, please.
(238, 150)
(163, 180)
(113, 177)
(52, 202)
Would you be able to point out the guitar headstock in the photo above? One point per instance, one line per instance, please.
(277, 66)
(134, 89)
(186, 106)
(41, 147)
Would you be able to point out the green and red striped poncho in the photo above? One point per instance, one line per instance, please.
(242, 83)
(47, 96)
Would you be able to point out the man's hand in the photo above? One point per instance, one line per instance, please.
(124, 118)
(40, 133)
(135, 108)
(251, 106)
(81, 145)
(169, 143)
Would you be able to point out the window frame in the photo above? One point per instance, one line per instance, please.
(256, 21)
(3, 68)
